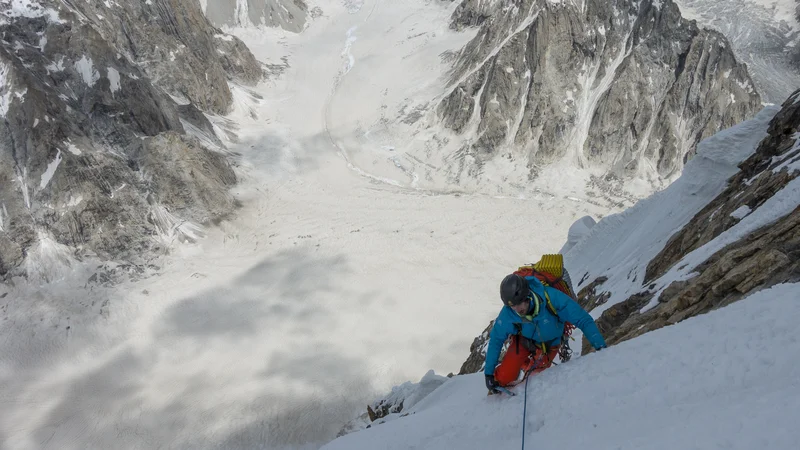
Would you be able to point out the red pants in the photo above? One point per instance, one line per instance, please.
(519, 358)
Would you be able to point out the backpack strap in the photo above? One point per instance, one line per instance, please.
(549, 304)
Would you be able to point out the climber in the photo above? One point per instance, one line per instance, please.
(535, 317)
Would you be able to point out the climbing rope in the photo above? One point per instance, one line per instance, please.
(525, 401)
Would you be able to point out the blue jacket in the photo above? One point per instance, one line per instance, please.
(545, 327)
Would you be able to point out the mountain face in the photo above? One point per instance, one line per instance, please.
(626, 87)
(94, 154)
(764, 35)
(287, 14)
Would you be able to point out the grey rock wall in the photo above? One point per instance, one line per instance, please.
(93, 154)
(628, 87)
(287, 14)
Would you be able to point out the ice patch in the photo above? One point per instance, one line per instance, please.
(56, 67)
(74, 201)
(351, 38)
(51, 170)
(86, 69)
(241, 13)
(741, 212)
(113, 78)
(180, 99)
(23, 181)
(73, 149)
(5, 89)
(3, 215)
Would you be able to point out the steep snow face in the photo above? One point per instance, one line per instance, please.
(657, 392)
(765, 35)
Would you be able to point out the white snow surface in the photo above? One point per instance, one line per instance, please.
(85, 67)
(5, 88)
(741, 212)
(47, 175)
(727, 379)
(113, 78)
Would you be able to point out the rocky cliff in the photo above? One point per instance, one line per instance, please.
(626, 87)
(287, 14)
(94, 155)
(763, 35)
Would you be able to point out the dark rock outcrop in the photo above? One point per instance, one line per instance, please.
(396, 404)
(477, 352)
(178, 48)
(589, 298)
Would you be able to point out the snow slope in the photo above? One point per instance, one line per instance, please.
(621, 245)
(727, 379)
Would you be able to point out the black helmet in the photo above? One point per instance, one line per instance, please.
(514, 289)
